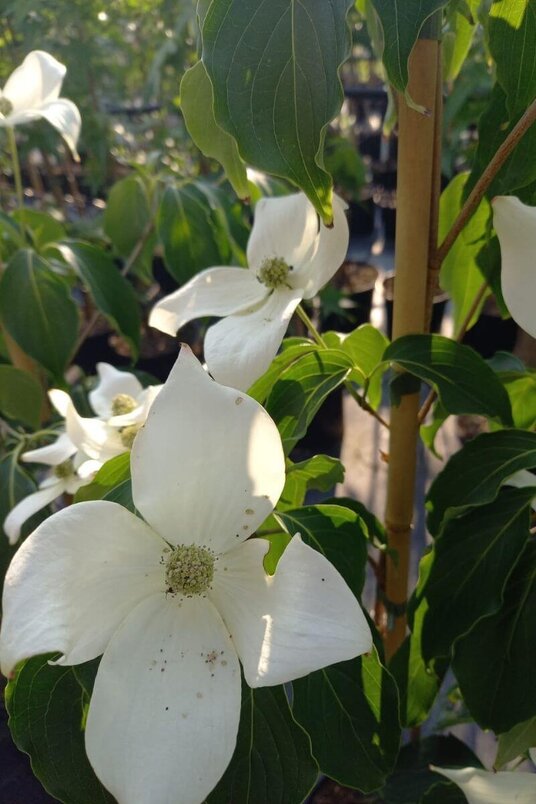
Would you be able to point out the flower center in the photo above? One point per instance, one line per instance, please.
(274, 272)
(64, 469)
(6, 107)
(128, 434)
(123, 403)
(189, 570)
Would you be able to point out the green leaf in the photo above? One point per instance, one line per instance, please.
(113, 295)
(46, 711)
(272, 760)
(417, 682)
(473, 557)
(495, 664)
(457, 40)
(127, 214)
(262, 387)
(414, 783)
(521, 389)
(197, 104)
(188, 232)
(495, 124)
(512, 30)
(38, 311)
(366, 346)
(514, 743)
(43, 227)
(460, 275)
(350, 711)
(474, 475)
(21, 396)
(374, 529)
(321, 473)
(463, 380)
(402, 22)
(275, 94)
(111, 474)
(301, 389)
(337, 533)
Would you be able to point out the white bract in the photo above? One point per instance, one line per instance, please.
(32, 92)
(291, 255)
(70, 470)
(484, 787)
(122, 405)
(515, 224)
(175, 600)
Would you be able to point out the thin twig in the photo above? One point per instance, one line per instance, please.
(133, 256)
(484, 182)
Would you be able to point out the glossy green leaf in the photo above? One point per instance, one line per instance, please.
(272, 761)
(113, 295)
(301, 389)
(457, 40)
(127, 214)
(290, 353)
(350, 711)
(402, 23)
(46, 708)
(197, 104)
(321, 473)
(189, 233)
(38, 311)
(366, 346)
(111, 474)
(460, 275)
(512, 32)
(495, 664)
(514, 743)
(519, 170)
(336, 532)
(21, 396)
(473, 557)
(414, 783)
(521, 389)
(463, 380)
(43, 228)
(275, 94)
(474, 475)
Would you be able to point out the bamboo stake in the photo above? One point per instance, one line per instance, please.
(417, 157)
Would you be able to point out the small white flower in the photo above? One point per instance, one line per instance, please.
(173, 602)
(515, 224)
(291, 255)
(32, 92)
(483, 787)
(70, 470)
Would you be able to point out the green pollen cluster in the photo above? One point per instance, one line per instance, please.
(6, 107)
(273, 273)
(64, 469)
(128, 434)
(123, 403)
(189, 570)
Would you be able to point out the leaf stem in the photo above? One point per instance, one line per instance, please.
(484, 182)
(317, 337)
(15, 164)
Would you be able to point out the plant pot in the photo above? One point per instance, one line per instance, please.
(356, 281)
(491, 333)
(438, 307)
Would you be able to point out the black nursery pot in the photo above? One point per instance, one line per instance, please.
(491, 333)
(357, 281)
(438, 308)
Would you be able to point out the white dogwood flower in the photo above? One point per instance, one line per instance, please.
(291, 255)
(70, 470)
(32, 92)
(484, 787)
(175, 600)
(515, 224)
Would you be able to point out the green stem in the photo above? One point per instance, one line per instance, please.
(15, 164)
(317, 337)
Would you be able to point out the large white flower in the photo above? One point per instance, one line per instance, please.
(32, 92)
(70, 470)
(483, 787)
(173, 602)
(515, 224)
(291, 255)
